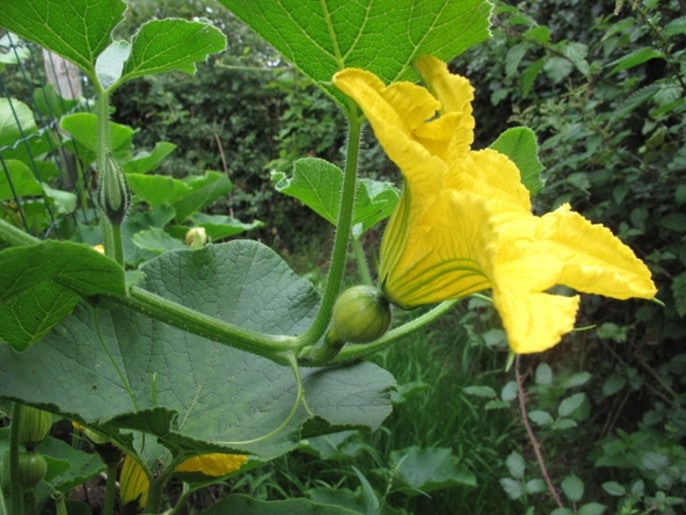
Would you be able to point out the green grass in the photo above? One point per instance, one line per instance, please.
(436, 413)
(447, 358)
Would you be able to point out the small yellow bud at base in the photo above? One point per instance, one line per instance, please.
(196, 237)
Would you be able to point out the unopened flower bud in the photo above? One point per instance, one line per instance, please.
(196, 237)
(361, 314)
(113, 193)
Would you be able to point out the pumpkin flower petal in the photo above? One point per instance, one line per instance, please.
(134, 483)
(214, 464)
(464, 224)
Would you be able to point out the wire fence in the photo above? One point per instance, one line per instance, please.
(43, 178)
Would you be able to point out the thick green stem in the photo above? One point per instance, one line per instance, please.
(343, 228)
(268, 346)
(16, 491)
(111, 232)
(110, 489)
(157, 486)
(357, 352)
(118, 248)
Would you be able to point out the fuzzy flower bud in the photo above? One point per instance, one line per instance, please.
(113, 193)
(196, 237)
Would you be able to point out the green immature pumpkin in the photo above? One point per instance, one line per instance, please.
(361, 314)
(32, 468)
(34, 426)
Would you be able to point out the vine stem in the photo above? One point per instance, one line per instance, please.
(111, 232)
(532, 436)
(343, 232)
(110, 489)
(157, 485)
(356, 352)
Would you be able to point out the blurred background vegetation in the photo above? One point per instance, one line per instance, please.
(602, 83)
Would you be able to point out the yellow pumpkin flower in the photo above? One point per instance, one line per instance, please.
(215, 464)
(463, 223)
(134, 485)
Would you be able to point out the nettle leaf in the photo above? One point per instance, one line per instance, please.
(318, 185)
(40, 284)
(165, 45)
(519, 144)
(117, 367)
(76, 29)
(382, 36)
(425, 470)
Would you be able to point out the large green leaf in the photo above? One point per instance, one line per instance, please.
(40, 284)
(166, 45)
(119, 367)
(76, 29)
(30, 314)
(383, 36)
(318, 185)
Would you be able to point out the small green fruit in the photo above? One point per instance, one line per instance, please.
(361, 314)
(32, 468)
(34, 426)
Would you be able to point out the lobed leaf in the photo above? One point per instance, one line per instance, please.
(40, 284)
(76, 29)
(118, 367)
(382, 36)
(172, 44)
(318, 184)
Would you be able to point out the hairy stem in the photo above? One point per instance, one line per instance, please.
(343, 228)
(268, 346)
(356, 352)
